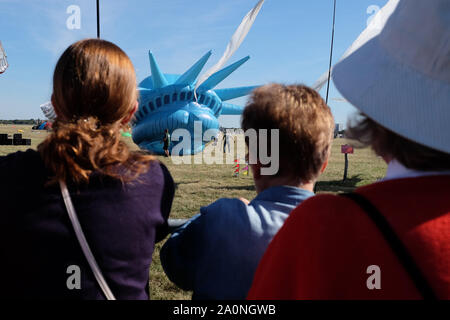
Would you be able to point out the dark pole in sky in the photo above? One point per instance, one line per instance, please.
(98, 19)
(331, 51)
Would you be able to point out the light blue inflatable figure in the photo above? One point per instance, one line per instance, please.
(166, 101)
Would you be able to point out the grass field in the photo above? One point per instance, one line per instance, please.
(198, 185)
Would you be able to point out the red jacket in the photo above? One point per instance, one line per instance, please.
(325, 246)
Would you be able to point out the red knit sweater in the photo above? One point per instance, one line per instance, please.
(325, 246)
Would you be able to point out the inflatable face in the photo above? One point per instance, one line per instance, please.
(167, 101)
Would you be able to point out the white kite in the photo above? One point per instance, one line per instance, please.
(235, 42)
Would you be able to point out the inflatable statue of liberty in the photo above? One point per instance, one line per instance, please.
(168, 101)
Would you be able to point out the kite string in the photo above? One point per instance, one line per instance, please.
(331, 51)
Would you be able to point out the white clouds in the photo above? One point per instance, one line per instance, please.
(58, 37)
(41, 25)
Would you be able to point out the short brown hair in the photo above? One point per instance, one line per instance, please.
(305, 124)
(386, 143)
(94, 89)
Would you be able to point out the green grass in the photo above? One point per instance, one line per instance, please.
(199, 184)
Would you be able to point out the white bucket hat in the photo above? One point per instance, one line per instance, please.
(398, 71)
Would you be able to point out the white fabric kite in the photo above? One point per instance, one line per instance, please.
(318, 85)
(235, 42)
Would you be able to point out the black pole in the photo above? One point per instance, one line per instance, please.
(346, 167)
(98, 19)
(331, 51)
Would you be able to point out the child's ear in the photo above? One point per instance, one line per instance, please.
(324, 166)
(244, 200)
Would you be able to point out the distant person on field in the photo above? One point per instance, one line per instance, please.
(226, 141)
(216, 253)
(122, 198)
(390, 239)
(166, 141)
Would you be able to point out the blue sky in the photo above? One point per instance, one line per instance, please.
(289, 42)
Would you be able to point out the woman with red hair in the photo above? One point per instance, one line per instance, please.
(81, 215)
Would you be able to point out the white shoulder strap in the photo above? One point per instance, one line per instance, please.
(83, 243)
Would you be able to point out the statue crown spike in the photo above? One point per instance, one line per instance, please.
(158, 78)
(190, 76)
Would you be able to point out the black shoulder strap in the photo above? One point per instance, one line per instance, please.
(395, 243)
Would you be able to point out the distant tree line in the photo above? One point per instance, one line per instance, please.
(18, 121)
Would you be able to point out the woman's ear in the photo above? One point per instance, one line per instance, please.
(130, 114)
(324, 166)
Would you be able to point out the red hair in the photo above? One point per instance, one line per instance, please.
(94, 90)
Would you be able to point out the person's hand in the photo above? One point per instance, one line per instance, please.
(244, 201)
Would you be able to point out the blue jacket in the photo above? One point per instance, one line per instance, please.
(216, 253)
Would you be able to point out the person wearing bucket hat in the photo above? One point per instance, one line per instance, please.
(390, 239)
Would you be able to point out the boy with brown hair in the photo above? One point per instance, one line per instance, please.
(216, 253)
(305, 125)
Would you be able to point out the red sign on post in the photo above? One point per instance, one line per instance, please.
(346, 148)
